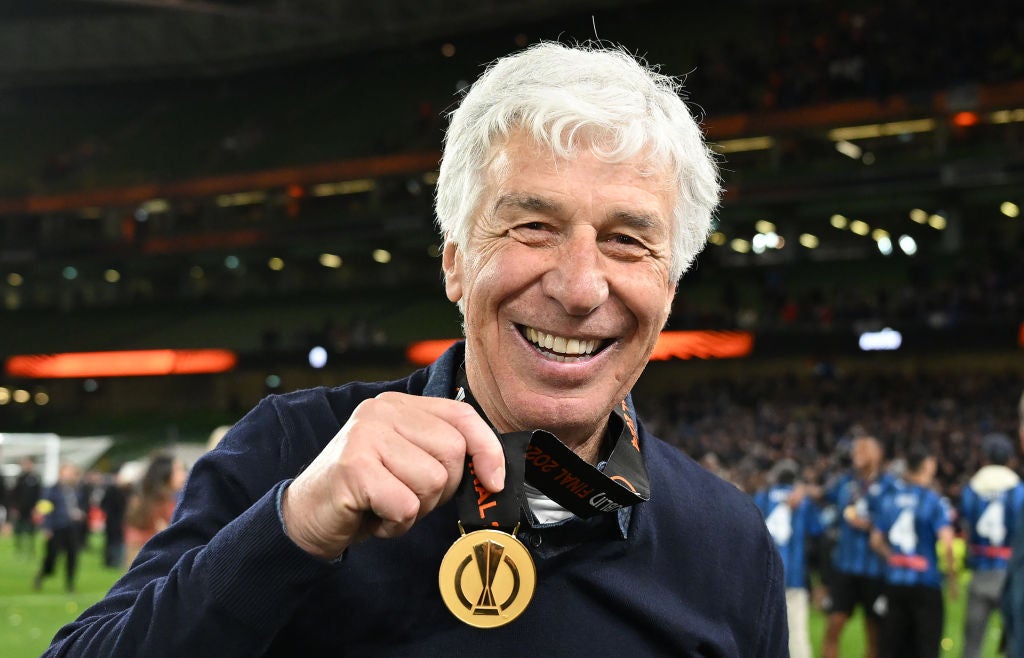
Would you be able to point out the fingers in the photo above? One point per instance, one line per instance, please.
(416, 457)
(450, 430)
(395, 460)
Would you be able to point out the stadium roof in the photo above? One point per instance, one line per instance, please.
(61, 41)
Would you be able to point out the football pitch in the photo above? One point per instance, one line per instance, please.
(29, 619)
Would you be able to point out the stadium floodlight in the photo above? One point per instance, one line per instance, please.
(318, 357)
(908, 245)
(759, 243)
(886, 340)
(809, 240)
(849, 149)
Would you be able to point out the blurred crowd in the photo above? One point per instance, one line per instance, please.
(741, 426)
(822, 53)
(928, 291)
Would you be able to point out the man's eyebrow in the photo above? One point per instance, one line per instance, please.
(638, 220)
(527, 202)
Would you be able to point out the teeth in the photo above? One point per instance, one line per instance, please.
(559, 344)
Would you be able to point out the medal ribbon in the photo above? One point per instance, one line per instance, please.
(538, 457)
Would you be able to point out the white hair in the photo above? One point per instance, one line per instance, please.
(567, 98)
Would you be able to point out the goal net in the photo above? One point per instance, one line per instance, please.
(48, 451)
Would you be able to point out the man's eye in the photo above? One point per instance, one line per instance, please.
(621, 245)
(621, 239)
(533, 226)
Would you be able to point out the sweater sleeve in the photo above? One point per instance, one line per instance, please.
(223, 578)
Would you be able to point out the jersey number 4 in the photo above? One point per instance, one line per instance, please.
(780, 524)
(902, 534)
(992, 523)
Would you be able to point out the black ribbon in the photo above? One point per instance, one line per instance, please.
(538, 457)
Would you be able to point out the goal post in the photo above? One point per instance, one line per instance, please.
(48, 451)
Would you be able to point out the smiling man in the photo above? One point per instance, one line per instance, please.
(505, 501)
(565, 284)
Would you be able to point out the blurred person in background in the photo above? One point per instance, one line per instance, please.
(216, 435)
(5, 503)
(910, 520)
(575, 189)
(990, 506)
(1013, 591)
(65, 507)
(92, 489)
(792, 519)
(856, 575)
(151, 505)
(27, 490)
(114, 504)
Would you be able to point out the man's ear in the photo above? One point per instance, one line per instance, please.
(451, 264)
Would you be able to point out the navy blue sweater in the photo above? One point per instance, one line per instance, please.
(692, 572)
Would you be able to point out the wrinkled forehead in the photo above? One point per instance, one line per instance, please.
(522, 147)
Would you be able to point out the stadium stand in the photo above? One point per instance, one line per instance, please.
(143, 211)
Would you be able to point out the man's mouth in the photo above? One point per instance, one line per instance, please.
(560, 348)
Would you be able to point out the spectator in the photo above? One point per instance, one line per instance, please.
(151, 507)
(65, 515)
(114, 504)
(28, 488)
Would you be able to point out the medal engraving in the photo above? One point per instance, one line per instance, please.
(487, 578)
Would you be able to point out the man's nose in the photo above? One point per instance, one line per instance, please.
(577, 280)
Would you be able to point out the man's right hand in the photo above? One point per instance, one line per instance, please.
(397, 458)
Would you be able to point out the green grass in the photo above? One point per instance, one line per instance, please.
(851, 642)
(29, 619)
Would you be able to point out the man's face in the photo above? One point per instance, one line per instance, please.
(929, 468)
(565, 287)
(866, 454)
(69, 474)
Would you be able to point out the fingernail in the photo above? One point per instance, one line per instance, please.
(499, 478)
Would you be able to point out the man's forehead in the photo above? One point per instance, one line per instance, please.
(520, 152)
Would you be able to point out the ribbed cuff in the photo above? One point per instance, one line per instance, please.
(257, 573)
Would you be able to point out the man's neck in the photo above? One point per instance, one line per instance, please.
(592, 449)
(868, 474)
(918, 480)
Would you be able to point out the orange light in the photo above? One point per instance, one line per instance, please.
(965, 119)
(670, 345)
(425, 352)
(120, 364)
(1020, 335)
(702, 345)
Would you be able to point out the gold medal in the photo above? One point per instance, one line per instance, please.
(487, 578)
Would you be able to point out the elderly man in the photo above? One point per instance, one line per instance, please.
(506, 500)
